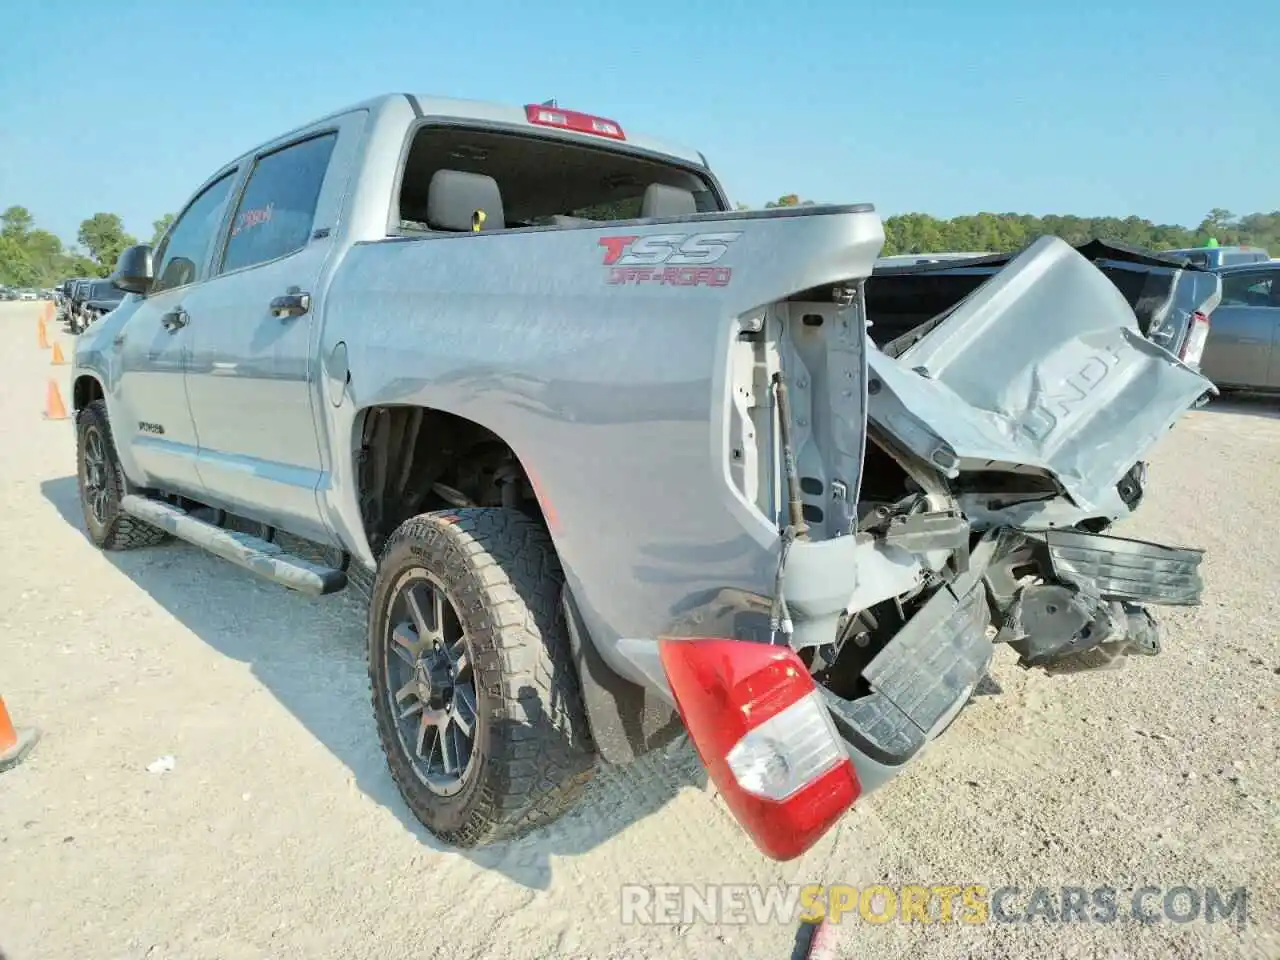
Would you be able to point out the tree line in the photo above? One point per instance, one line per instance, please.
(31, 257)
(1007, 232)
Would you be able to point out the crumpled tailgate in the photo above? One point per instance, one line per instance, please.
(1041, 369)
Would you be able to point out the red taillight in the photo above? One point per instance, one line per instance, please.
(765, 736)
(572, 120)
(1193, 349)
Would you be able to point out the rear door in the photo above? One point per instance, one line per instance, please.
(1242, 330)
(253, 372)
(1273, 379)
(151, 412)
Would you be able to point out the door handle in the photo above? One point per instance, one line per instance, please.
(294, 303)
(175, 319)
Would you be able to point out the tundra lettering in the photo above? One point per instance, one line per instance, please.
(1050, 407)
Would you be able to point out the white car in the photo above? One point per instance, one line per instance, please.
(27, 295)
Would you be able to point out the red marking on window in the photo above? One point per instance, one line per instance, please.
(251, 218)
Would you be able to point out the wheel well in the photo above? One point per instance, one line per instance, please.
(413, 459)
(85, 391)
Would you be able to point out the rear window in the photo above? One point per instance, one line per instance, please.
(543, 181)
(1247, 257)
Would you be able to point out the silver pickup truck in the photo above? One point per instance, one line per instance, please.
(615, 462)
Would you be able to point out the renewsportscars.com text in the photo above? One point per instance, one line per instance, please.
(970, 903)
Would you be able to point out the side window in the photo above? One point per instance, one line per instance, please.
(1246, 290)
(279, 204)
(183, 253)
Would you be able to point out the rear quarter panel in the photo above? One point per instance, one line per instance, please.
(611, 388)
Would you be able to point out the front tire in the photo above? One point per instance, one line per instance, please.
(102, 486)
(475, 696)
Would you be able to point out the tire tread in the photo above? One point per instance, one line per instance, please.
(541, 755)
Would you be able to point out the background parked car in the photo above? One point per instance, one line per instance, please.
(1171, 298)
(1212, 258)
(1243, 352)
(98, 297)
(77, 292)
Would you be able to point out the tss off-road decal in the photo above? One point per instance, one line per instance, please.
(671, 259)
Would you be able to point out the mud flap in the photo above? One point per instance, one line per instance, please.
(1042, 369)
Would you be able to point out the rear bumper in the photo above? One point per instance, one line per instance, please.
(1117, 568)
(1089, 607)
(920, 680)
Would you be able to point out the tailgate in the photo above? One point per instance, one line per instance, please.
(1042, 369)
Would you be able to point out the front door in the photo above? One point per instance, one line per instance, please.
(151, 415)
(252, 378)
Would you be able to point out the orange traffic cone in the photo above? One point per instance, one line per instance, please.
(48, 312)
(14, 744)
(57, 359)
(54, 409)
(43, 336)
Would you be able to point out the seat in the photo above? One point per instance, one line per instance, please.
(661, 200)
(453, 197)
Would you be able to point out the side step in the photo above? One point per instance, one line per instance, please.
(252, 553)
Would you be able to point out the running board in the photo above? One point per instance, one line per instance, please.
(253, 553)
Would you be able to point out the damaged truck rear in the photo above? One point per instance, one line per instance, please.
(614, 461)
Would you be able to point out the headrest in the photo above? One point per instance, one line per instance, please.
(663, 201)
(453, 196)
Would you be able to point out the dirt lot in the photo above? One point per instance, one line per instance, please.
(279, 834)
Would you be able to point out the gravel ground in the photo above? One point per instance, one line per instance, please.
(279, 834)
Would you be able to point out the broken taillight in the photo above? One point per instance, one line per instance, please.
(766, 738)
(546, 116)
(1193, 348)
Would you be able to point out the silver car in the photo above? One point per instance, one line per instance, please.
(1214, 258)
(1243, 351)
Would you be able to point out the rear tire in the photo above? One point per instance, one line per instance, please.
(530, 754)
(102, 486)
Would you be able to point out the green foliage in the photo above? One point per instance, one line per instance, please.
(15, 222)
(788, 200)
(1006, 232)
(159, 227)
(30, 257)
(104, 235)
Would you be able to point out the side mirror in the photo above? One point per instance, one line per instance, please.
(134, 271)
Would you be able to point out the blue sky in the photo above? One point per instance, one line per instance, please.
(1156, 109)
